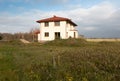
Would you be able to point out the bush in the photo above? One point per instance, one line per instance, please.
(1, 38)
(67, 42)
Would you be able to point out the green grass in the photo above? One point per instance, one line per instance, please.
(60, 60)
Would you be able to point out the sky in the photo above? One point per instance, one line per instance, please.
(95, 18)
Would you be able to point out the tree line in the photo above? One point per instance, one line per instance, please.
(30, 36)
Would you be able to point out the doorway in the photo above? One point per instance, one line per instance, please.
(57, 35)
(74, 35)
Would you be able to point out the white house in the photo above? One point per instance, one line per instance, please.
(56, 27)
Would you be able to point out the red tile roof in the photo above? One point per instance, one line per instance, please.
(55, 18)
(36, 31)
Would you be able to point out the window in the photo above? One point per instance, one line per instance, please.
(46, 24)
(67, 34)
(57, 23)
(46, 34)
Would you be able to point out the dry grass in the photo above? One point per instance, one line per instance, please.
(101, 40)
(61, 60)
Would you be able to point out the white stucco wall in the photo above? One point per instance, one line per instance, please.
(39, 37)
(71, 29)
(71, 34)
(66, 30)
(52, 29)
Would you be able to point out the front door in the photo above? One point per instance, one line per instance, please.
(74, 35)
(57, 35)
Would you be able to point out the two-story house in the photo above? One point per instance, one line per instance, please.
(57, 27)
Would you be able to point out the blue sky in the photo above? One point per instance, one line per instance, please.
(45, 5)
(95, 18)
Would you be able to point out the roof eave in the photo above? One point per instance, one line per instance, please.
(75, 24)
(40, 21)
(72, 23)
(37, 21)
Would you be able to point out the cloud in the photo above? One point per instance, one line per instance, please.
(47, 2)
(89, 28)
(101, 20)
(50, 2)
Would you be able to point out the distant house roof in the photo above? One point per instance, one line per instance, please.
(36, 31)
(55, 18)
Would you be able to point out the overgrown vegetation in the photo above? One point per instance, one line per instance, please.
(60, 60)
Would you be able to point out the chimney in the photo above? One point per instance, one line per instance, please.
(54, 16)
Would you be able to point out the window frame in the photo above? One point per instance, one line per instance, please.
(46, 24)
(57, 23)
(46, 34)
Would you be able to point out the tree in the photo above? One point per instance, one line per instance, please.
(0, 37)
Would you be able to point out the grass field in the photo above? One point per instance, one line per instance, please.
(60, 60)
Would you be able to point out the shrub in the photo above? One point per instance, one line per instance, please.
(67, 42)
(1, 38)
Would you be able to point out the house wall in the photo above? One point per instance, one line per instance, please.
(66, 30)
(71, 29)
(71, 34)
(52, 29)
